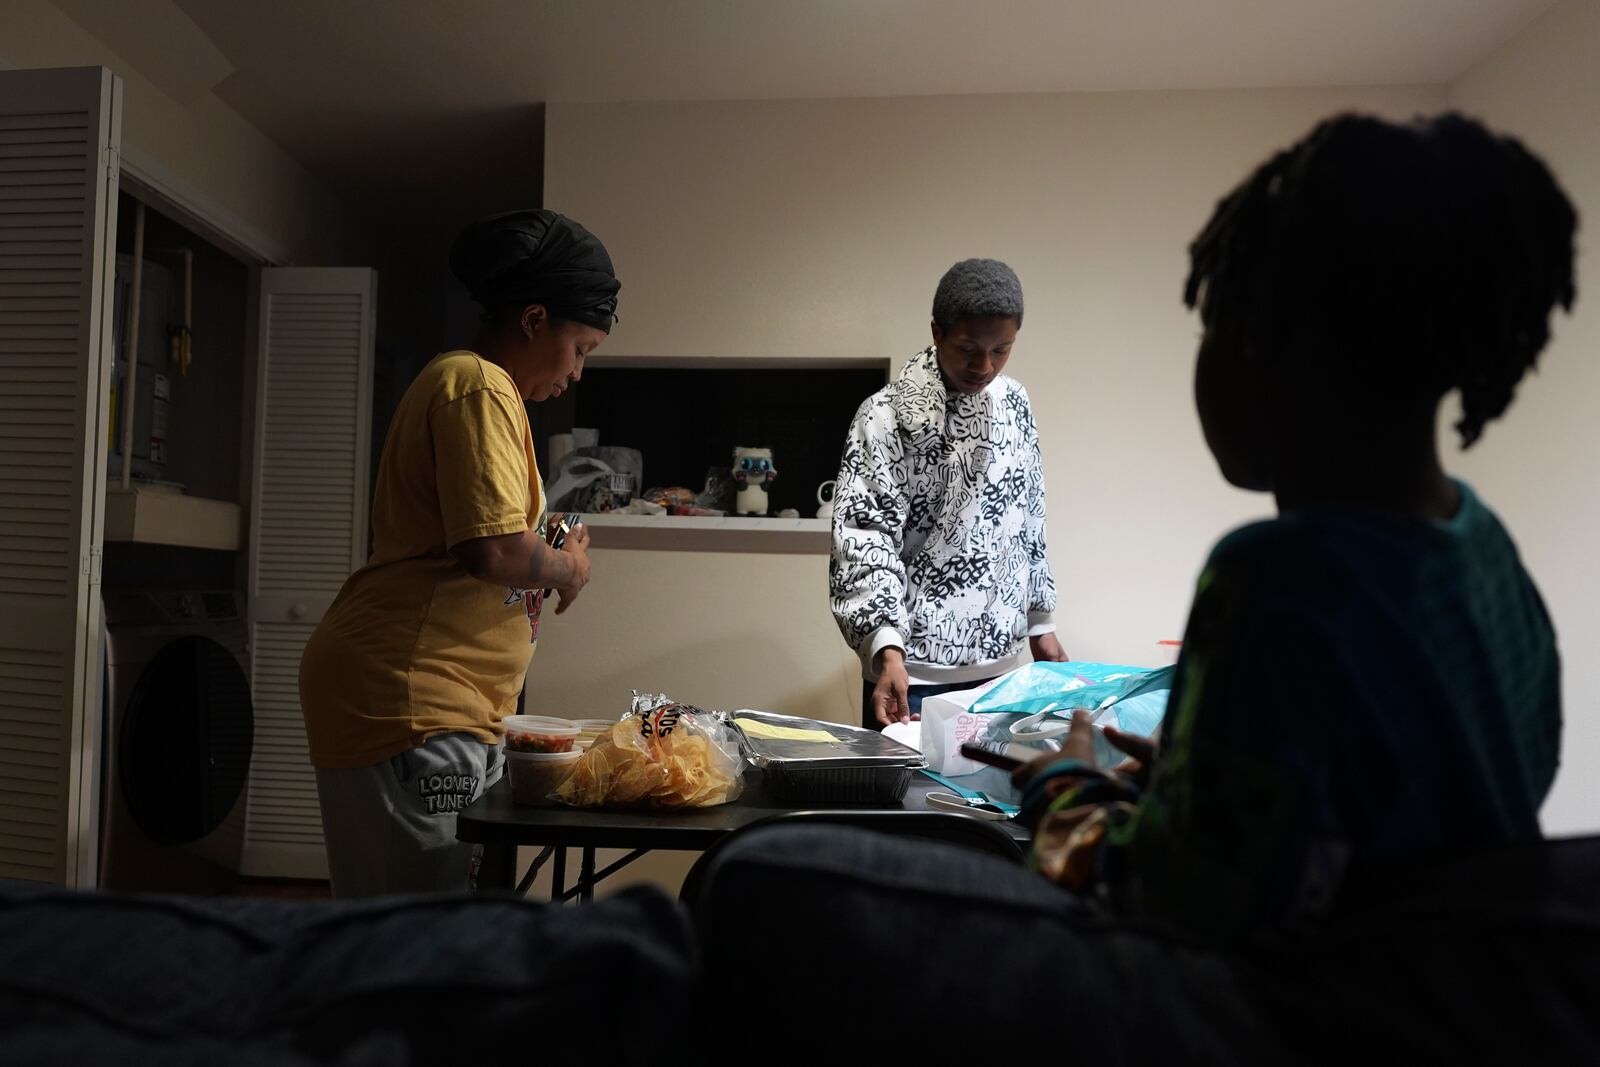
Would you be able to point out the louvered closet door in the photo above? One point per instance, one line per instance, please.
(308, 531)
(58, 196)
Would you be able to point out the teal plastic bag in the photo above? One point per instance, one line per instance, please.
(1067, 687)
(1133, 699)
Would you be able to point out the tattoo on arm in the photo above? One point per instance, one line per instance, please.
(548, 568)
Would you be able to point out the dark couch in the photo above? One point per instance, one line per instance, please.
(815, 944)
(961, 958)
(91, 979)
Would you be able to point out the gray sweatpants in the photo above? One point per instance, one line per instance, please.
(391, 827)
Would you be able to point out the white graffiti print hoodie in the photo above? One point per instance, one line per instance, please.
(938, 528)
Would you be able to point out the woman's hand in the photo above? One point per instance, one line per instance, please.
(576, 548)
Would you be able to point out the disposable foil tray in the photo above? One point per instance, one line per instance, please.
(860, 767)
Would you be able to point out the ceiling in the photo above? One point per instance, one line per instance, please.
(369, 93)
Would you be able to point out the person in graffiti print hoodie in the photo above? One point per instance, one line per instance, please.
(939, 574)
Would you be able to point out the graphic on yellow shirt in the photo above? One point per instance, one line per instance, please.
(532, 601)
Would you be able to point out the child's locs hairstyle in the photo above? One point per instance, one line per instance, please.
(1426, 256)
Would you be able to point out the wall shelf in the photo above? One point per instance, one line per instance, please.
(694, 533)
(166, 517)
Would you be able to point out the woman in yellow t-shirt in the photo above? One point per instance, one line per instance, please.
(406, 680)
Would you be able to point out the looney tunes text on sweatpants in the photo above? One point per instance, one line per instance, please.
(445, 793)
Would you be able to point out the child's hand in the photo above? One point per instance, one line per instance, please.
(1079, 745)
(1141, 752)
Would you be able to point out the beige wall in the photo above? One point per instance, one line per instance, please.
(1539, 468)
(806, 228)
(819, 228)
(202, 149)
(719, 630)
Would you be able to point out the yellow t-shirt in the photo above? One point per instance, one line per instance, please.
(414, 646)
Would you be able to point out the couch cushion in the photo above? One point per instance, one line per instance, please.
(413, 978)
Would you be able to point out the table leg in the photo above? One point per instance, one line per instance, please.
(586, 885)
(497, 872)
(533, 870)
(586, 874)
(558, 876)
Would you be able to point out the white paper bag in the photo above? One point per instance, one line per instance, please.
(947, 725)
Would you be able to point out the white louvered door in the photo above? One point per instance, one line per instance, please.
(58, 200)
(308, 531)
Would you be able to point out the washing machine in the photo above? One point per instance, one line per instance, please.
(177, 736)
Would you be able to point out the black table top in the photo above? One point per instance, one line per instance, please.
(494, 819)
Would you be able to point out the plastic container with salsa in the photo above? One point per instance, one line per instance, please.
(539, 733)
(536, 775)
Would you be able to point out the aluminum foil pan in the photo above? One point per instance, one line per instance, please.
(858, 767)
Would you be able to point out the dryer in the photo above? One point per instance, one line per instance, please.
(179, 725)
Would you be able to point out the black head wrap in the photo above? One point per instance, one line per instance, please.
(538, 257)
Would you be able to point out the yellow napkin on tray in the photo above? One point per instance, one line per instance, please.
(757, 728)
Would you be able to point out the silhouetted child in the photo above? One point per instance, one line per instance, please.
(1370, 677)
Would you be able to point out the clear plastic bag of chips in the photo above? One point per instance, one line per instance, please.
(663, 755)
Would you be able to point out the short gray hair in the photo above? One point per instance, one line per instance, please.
(977, 288)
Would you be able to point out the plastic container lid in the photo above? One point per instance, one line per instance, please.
(592, 730)
(537, 733)
(541, 723)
